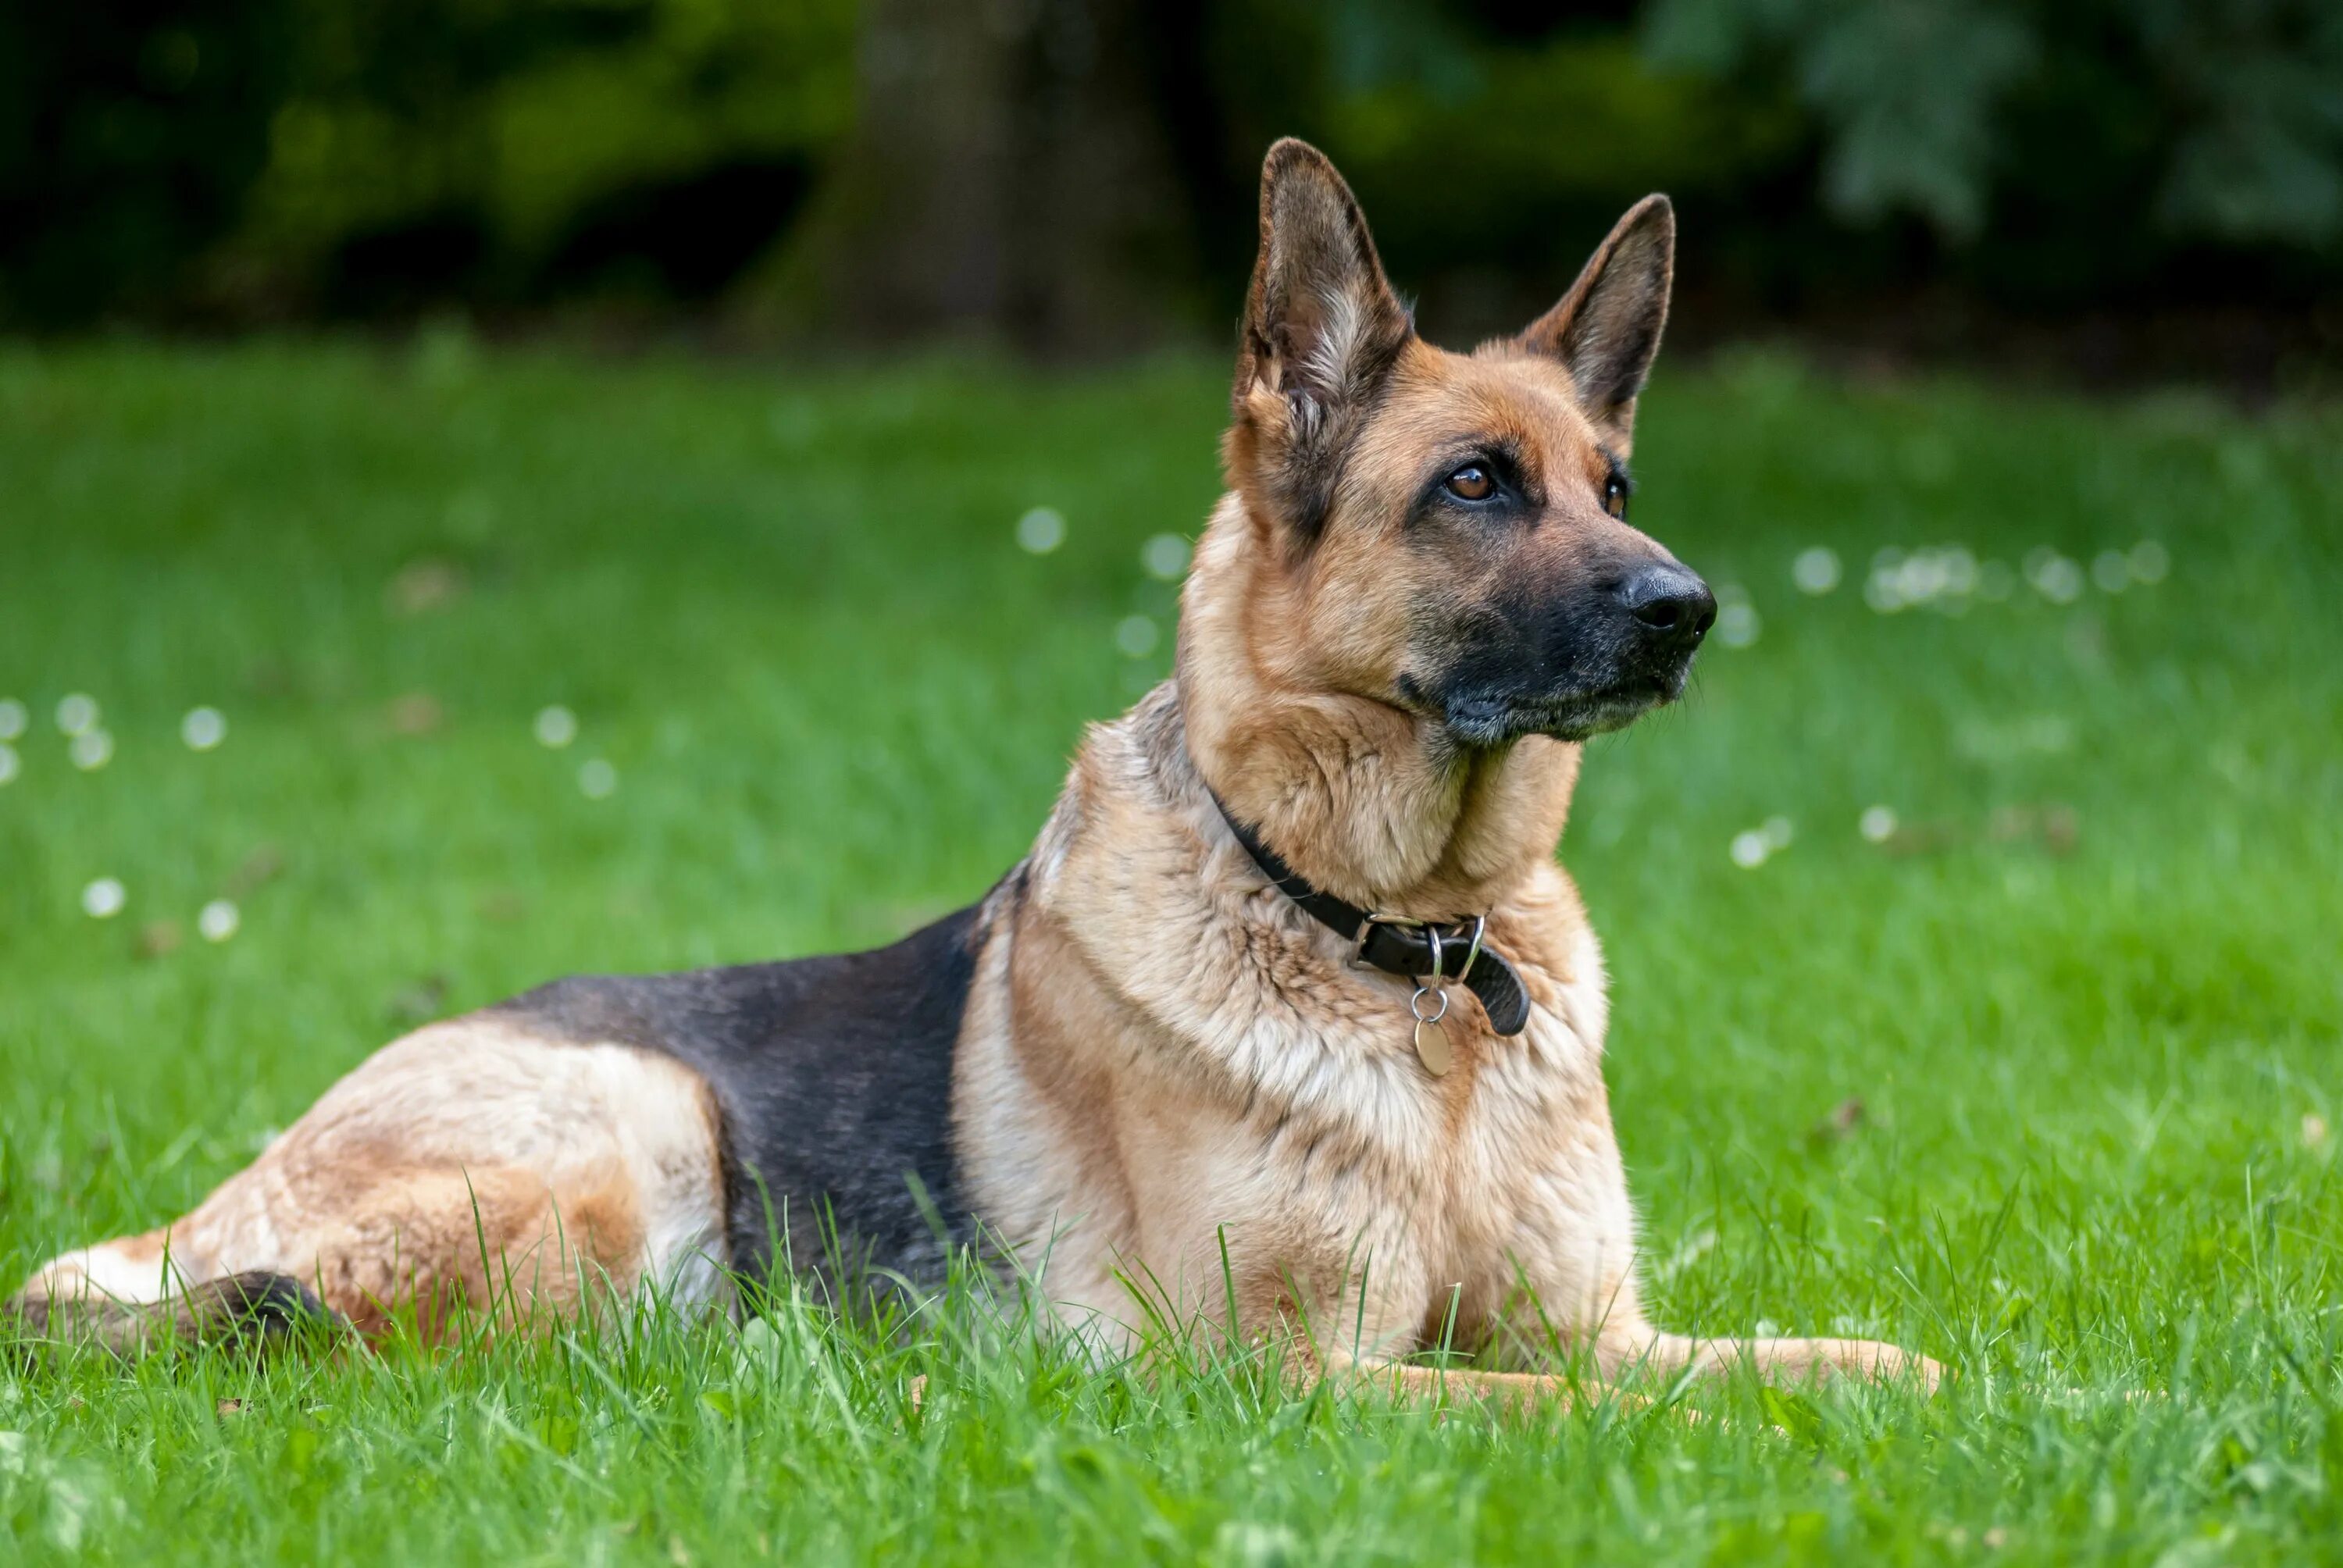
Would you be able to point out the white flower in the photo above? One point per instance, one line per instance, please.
(1817, 571)
(1941, 576)
(597, 780)
(557, 726)
(1737, 624)
(1958, 569)
(218, 920)
(2054, 577)
(1877, 824)
(1041, 530)
(102, 898)
(13, 719)
(203, 728)
(1165, 556)
(77, 713)
(1136, 636)
(1883, 590)
(90, 749)
(1750, 850)
(1777, 832)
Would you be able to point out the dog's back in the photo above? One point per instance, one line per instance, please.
(831, 1079)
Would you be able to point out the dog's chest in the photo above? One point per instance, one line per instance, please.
(1493, 1116)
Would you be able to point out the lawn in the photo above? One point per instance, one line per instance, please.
(1974, 961)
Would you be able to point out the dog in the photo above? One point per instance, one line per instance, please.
(1290, 1012)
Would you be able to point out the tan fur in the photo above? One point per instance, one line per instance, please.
(1167, 1063)
(468, 1164)
(1164, 1055)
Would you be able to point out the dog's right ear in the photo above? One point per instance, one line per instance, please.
(1321, 327)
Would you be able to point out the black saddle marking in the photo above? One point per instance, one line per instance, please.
(832, 1078)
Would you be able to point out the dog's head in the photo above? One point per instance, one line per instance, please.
(1450, 529)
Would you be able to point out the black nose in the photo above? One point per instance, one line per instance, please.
(1675, 605)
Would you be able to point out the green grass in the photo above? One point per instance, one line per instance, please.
(2088, 996)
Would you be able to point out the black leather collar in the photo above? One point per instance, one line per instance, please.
(1396, 946)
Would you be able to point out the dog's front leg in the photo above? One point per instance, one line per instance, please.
(1790, 1361)
(1583, 1302)
(1375, 1364)
(1514, 1393)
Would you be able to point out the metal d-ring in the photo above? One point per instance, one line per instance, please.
(1464, 974)
(1415, 1003)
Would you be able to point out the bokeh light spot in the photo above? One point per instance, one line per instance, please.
(1136, 636)
(104, 899)
(1165, 556)
(556, 727)
(203, 728)
(1817, 571)
(1040, 531)
(77, 713)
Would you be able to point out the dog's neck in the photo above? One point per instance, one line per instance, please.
(1368, 800)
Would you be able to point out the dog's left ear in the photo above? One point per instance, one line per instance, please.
(1607, 328)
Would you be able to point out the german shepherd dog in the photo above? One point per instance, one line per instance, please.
(1289, 1014)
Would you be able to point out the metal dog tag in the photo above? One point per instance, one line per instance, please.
(1432, 1047)
(1431, 1040)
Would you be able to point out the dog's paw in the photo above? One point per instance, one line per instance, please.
(1884, 1363)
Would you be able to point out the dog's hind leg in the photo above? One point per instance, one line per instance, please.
(465, 1166)
(262, 1254)
(258, 1309)
(131, 1294)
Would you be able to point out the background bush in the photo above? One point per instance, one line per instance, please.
(1076, 174)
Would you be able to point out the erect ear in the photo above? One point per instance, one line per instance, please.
(1607, 328)
(1322, 327)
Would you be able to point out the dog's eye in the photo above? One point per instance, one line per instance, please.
(1614, 497)
(1471, 483)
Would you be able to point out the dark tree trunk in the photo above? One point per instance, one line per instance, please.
(1009, 179)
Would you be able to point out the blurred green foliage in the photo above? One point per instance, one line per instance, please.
(129, 135)
(2088, 142)
(331, 156)
(495, 136)
(267, 159)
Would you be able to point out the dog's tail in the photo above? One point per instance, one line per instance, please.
(257, 1311)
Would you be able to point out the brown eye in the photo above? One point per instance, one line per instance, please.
(1471, 483)
(1614, 497)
